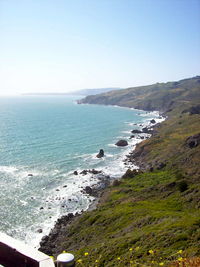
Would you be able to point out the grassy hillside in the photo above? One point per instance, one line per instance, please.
(151, 218)
(149, 212)
(159, 96)
(169, 146)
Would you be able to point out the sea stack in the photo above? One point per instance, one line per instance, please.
(101, 153)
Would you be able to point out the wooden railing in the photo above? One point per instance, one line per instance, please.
(14, 253)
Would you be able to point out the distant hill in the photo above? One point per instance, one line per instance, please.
(94, 91)
(159, 96)
(83, 92)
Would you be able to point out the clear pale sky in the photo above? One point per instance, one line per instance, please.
(64, 45)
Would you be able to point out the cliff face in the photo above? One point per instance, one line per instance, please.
(159, 96)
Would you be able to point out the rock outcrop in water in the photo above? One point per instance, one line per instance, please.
(135, 131)
(122, 143)
(100, 154)
(93, 171)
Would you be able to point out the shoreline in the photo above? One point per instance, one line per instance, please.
(49, 241)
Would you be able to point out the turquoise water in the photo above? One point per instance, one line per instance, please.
(49, 138)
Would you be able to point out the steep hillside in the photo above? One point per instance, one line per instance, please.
(174, 144)
(150, 217)
(159, 96)
(145, 220)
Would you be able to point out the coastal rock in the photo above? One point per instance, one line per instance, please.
(84, 172)
(132, 136)
(152, 121)
(93, 171)
(116, 183)
(88, 190)
(39, 231)
(193, 141)
(130, 173)
(75, 173)
(44, 240)
(136, 131)
(122, 143)
(160, 165)
(140, 137)
(147, 130)
(100, 154)
(48, 243)
(30, 174)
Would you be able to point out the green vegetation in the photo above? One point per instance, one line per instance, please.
(149, 218)
(169, 146)
(147, 212)
(159, 96)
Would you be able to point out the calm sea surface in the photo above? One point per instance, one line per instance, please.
(42, 141)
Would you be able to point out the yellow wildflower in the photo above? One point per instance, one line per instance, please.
(151, 252)
(130, 249)
(79, 260)
(86, 253)
(180, 259)
(180, 251)
(97, 261)
(161, 263)
(137, 248)
(64, 251)
(119, 258)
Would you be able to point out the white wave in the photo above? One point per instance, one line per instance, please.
(8, 169)
(126, 132)
(111, 145)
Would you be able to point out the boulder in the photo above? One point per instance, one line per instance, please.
(152, 121)
(130, 173)
(88, 190)
(75, 173)
(147, 130)
(100, 154)
(30, 174)
(160, 165)
(193, 141)
(136, 131)
(93, 171)
(84, 172)
(122, 143)
(116, 183)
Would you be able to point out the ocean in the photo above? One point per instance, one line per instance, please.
(43, 140)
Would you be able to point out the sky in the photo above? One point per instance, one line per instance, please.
(66, 45)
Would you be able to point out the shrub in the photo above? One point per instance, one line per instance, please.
(182, 186)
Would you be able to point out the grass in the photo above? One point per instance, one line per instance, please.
(152, 218)
(169, 145)
(143, 212)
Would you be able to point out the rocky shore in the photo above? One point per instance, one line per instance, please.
(50, 242)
